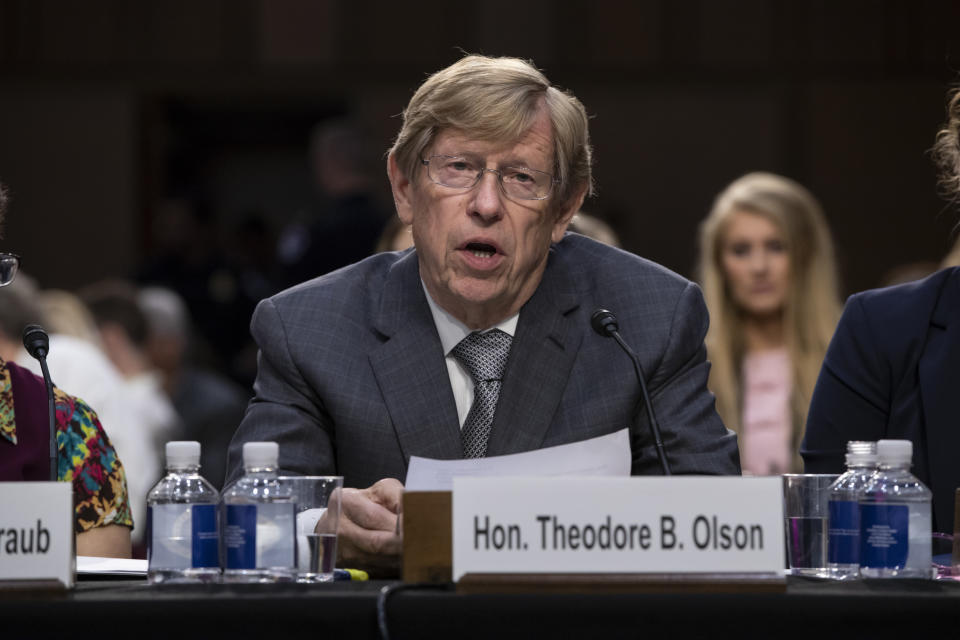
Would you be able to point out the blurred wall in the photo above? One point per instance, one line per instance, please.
(685, 95)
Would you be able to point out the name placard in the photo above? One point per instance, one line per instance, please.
(689, 524)
(36, 533)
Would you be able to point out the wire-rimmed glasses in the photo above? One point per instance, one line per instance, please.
(9, 266)
(458, 172)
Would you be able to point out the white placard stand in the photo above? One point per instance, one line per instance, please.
(37, 542)
(640, 525)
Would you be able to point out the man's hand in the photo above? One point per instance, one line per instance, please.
(369, 536)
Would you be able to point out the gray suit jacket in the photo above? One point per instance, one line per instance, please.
(352, 379)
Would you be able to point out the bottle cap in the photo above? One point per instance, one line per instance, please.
(259, 455)
(861, 453)
(183, 453)
(895, 451)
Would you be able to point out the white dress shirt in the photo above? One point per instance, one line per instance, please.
(451, 332)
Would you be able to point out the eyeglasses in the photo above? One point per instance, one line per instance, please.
(9, 265)
(517, 182)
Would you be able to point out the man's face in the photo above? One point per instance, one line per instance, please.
(481, 253)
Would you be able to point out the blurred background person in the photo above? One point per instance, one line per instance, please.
(769, 278)
(123, 333)
(189, 258)
(65, 314)
(251, 255)
(85, 456)
(344, 224)
(210, 405)
(593, 227)
(18, 308)
(395, 236)
(893, 366)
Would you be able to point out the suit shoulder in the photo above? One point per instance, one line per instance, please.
(344, 291)
(600, 266)
(904, 307)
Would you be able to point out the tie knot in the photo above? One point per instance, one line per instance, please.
(484, 354)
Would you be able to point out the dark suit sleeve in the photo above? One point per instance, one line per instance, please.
(850, 400)
(284, 409)
(695, 440)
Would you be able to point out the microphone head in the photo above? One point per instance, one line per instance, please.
(36, 341)
(604, 322)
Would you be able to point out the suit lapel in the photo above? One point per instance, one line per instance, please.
(541, 357)
(410, 368)
(940, 394)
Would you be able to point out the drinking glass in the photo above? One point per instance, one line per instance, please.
(805, 509)
(317, 500)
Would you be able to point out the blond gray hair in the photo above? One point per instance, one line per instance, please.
(946, 155)
(812, 307)
(497, 99)
(946, 150)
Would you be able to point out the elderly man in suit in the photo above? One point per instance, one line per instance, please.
(478, 341)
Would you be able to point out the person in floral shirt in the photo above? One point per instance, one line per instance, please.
(85, 457)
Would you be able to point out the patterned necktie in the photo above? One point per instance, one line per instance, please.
(485, 356)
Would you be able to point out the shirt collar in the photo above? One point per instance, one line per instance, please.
(8, 427)
(452, 331)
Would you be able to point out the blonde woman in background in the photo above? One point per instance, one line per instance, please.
(768, 273)
(65, 314)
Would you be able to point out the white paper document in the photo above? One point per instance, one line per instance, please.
(607, 455)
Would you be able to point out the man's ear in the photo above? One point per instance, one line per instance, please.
(570, 209)
(402, 190)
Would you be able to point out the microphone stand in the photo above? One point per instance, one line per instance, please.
(605, 323)
(51, 417)
(37, 343)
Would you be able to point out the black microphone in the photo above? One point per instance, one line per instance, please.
(605, 323)
(37, 344)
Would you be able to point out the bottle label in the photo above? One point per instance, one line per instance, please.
(206, 537)
(182, 536)
(884, 536)
(844, 544)
(260, 535)
(240, 536)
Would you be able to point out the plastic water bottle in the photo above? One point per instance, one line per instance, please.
(843, 548)
(895, 522)
(182, 534)
(259, 531)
